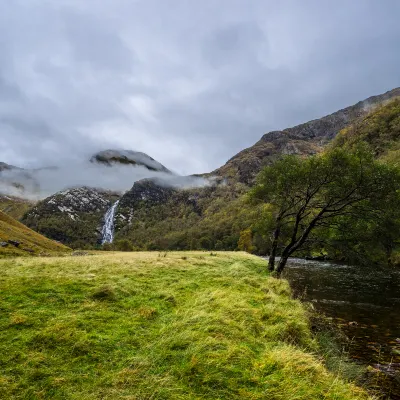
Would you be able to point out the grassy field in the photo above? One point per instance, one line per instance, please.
(190, 325)
(32, 243)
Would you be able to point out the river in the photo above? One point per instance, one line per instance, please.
(363, 301)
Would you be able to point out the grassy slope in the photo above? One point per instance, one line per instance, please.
(14, 206)
(10, 229)
(153, 326)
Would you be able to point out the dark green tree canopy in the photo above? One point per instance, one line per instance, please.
(312, 192)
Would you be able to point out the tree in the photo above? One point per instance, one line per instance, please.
(245, 242)
(313, 192)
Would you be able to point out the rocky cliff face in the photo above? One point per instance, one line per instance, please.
(304, 139)
(74, 216)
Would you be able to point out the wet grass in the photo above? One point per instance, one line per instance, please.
(153, 326)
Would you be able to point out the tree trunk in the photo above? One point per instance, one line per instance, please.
(282, 264)
(271, 260)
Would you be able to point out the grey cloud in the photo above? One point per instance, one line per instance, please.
(189, 83)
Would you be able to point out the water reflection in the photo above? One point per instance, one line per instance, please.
(365, 302)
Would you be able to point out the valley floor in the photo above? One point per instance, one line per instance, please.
(181, 325)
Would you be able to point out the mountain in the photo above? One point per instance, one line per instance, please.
(305, 139)
(154, 216)
(17, 239)
(128, 157)
(7, 167)
(73, 216)
(213, 217)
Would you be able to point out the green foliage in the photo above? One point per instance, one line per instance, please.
(213, 222)
(123, 245)
(380, 129)
(245, 242)
(323, 190)
(139, 326)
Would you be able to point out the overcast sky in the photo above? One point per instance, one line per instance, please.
(188, 82)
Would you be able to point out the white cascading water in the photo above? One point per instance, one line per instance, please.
(108, 228)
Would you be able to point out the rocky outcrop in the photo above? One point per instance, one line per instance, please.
(128, 157)
(74, 216)
(73, 202)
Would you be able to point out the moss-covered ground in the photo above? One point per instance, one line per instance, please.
(190, 325)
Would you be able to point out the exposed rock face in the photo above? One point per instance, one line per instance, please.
(128, 157)
(304, 139)
(72, 216)
(73, 202)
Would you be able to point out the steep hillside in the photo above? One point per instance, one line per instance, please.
(17, 239)
(304, 139)
(380, 129)
(73, 216)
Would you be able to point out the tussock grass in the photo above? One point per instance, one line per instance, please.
(138, 326)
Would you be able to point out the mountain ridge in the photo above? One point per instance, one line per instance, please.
(304, 139)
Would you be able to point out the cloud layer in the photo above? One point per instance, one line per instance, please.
(189, 83)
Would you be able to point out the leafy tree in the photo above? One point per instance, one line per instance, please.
(315, 192)
(245, 242)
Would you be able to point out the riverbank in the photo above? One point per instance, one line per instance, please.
(182, 325)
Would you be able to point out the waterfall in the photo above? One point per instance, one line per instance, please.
(108, 229)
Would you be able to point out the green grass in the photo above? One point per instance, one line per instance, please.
(32, 243)
(156, 326)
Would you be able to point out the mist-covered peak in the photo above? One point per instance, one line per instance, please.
(6, 167)
(110, 157)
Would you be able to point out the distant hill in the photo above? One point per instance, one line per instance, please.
(17, 239)
(128, 157)
(305, 139)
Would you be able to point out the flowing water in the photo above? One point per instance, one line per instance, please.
(108, 229)
(363, 301)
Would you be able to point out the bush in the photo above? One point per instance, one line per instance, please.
(123, 245)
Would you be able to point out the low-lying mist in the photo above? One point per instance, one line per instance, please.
(41, 183)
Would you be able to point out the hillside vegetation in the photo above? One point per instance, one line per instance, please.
(380, 130)
(15, 207)
(30, 242)
(157, 326)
